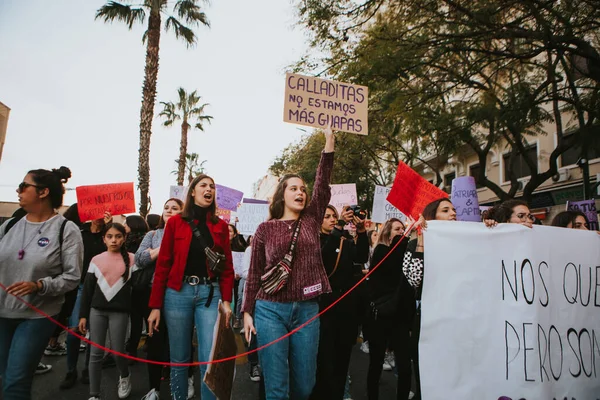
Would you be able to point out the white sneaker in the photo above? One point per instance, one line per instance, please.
(191, 390)
(152, 395)
(364, 347)
(386, 366)
(410, 395)
(124, 388)
(390, 359)
(94, 398)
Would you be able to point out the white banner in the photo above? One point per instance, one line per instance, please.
(238, 261)
(383, 209)
(250, 216)
(510, 313)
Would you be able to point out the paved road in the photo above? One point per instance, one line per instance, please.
(45, 386)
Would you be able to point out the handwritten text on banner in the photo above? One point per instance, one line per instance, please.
(510, 312)
(318, 103)
(93, 201)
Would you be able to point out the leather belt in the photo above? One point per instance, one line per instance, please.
(194, 280)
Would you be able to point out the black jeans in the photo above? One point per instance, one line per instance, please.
(337, 336)
(414, 338)
(139, 311)
(381, 332)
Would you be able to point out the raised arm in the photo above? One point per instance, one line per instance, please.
(321, 190)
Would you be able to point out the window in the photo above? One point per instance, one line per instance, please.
(571, 156)
(474, 171)
(520, 168)
(448, 178)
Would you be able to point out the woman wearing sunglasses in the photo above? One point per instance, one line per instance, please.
(40, 260)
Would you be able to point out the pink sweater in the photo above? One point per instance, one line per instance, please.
(272, 241)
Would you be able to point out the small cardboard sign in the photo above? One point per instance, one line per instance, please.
(219, 376)
(411, 192)
(93, 201)
(319, 103)
(228, 198)
(588, 207)
(250, 216)
(464, 199)
(383, 210)
(178, 192)
(225, 215)
(343, 195)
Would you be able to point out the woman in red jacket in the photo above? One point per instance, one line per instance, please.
(184, 286)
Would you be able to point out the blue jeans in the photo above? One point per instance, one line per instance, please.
(181, 311)
(289, 366)
(22, 344)
(73, 342)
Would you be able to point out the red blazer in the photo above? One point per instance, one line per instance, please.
(173, 254)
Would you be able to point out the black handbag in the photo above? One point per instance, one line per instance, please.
(214, 259)
(385, 306)
(142, 277)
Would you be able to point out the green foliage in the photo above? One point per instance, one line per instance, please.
(450, 78)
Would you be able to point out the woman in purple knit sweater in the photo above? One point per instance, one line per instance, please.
(289, 366)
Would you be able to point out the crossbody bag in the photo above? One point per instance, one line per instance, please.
(214, 259)
(277, 277)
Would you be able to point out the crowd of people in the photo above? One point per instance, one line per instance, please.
(169, 272)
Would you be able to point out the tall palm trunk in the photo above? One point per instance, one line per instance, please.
(147, 110)
(182, 153)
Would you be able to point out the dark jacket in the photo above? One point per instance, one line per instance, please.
(92, 246)
(352, 258)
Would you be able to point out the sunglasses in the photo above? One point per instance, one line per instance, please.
(523, 216)
(25, 185)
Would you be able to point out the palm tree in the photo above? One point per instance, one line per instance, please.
(187, 11)
(192, 166)
(187, 110)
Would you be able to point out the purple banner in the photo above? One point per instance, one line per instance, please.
(588, 207)
(227, 198)
(464, 198)
(254, 201)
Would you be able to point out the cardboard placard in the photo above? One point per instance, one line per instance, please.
(318, 103)
(464, 199)
(93, 201)
(588, 207)
(343, 195)
(219, 377)
(250, 216)
(411, 192)
(238, 261)
(383, 210)
(178, 192)
(228, 198)
(519, 313)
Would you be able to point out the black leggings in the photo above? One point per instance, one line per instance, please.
(381, 333)
(139, 311)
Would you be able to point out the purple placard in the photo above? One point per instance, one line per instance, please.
(254, 201)
(588, 207)
(464, 198)
(227, 198)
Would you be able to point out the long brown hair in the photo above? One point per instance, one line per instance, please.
(430, 210)
(188, 207)
(161, 221)
(277, 206)
(386, 231)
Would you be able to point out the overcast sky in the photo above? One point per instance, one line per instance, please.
(74, 88)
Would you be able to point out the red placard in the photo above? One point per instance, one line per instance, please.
(411, 192)
(93, 201)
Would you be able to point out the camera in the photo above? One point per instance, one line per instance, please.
(358, 212)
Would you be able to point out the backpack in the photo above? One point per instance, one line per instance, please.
(61, 232)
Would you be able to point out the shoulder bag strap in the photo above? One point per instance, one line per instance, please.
(337, 261)
(197, 233)
(290, 254)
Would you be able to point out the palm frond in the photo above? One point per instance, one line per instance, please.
(190, 12)
(181, 31)
(169, 113)
(112, 11)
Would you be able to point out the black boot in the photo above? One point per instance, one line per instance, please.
(85, 376)
(69, 380)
